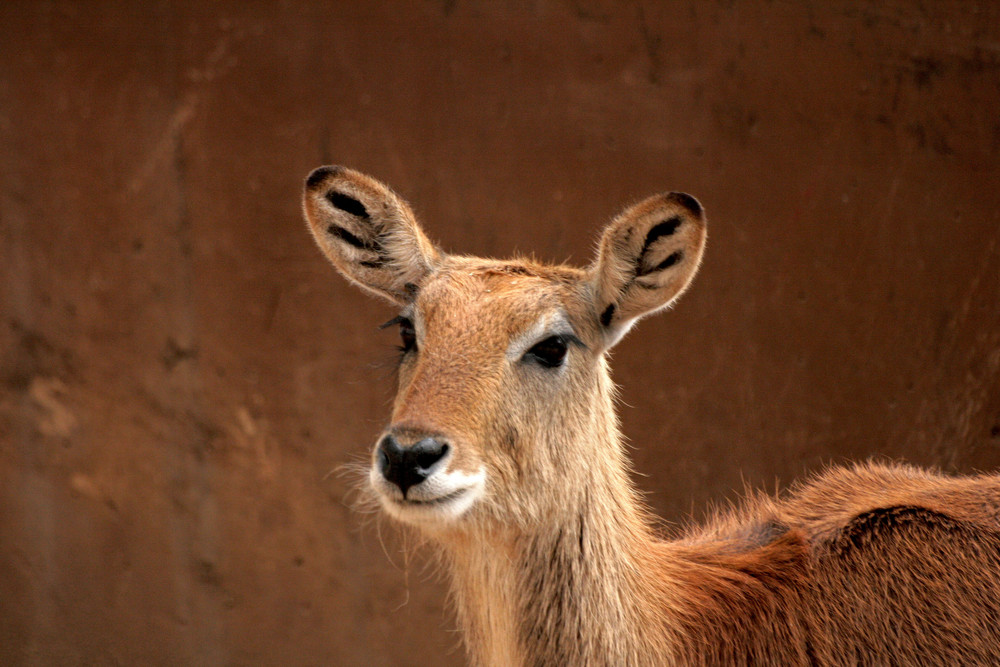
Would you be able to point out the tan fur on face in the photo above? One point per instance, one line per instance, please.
(463, 385)
(554, 561)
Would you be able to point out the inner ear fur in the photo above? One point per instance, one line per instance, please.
(368, 232)
(646, 259)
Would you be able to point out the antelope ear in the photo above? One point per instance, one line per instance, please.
(647, 258)
(368, 232)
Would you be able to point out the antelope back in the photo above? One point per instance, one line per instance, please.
(504, 399)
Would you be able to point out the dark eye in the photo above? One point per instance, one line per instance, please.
(407, 335)
(549, 353)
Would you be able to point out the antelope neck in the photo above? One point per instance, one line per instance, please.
(521, 593)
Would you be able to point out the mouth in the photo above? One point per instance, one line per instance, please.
(431, 502)
(442, 500)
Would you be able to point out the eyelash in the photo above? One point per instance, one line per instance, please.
(407, 334)
(551, 352)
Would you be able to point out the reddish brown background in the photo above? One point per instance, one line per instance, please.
(180, 370)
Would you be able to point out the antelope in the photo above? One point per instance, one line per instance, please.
(505, 450)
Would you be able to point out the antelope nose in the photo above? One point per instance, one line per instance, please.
(409, 466)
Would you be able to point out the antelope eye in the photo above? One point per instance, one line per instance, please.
(549, 352)
(407, 335)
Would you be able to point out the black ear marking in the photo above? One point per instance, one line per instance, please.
(665, 228)
(687, 201)
(319, 174)
(608, 313)
(347, 237)
(347, 203)
(672, 259)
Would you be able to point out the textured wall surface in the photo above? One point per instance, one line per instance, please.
(182, 375)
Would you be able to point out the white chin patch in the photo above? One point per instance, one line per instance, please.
(444, 496)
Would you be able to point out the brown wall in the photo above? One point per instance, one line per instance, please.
(180, 370)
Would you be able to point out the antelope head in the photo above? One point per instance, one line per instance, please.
(504, 412)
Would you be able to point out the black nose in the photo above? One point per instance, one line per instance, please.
(408, 466)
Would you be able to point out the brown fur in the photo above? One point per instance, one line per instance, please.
(557, 562)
